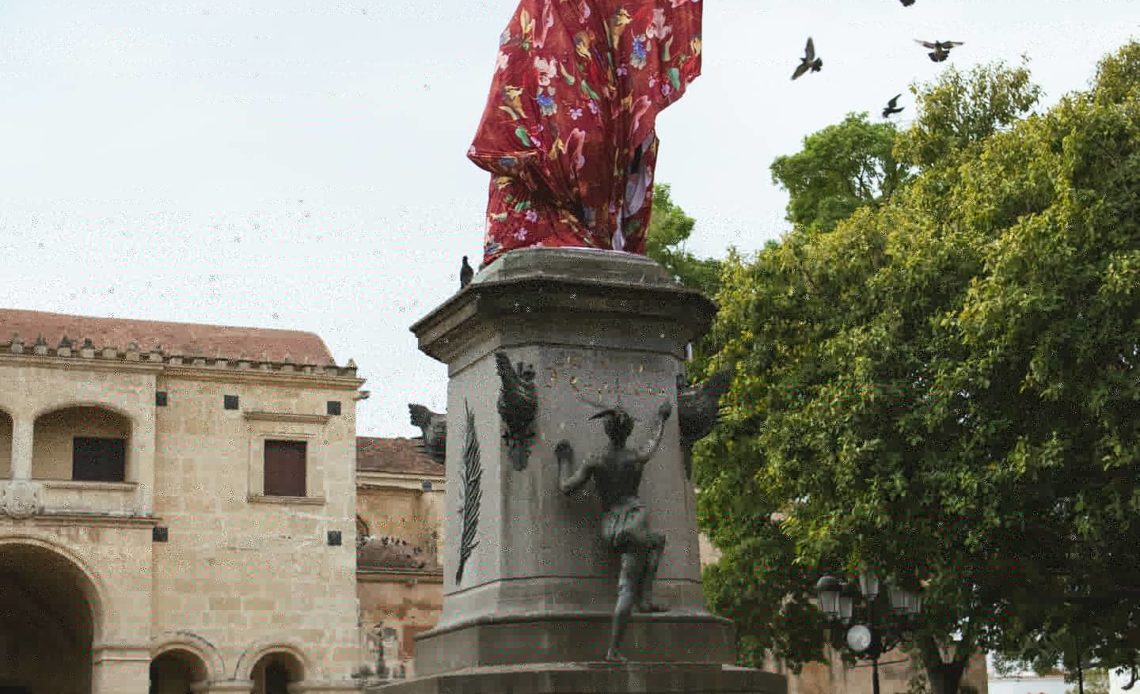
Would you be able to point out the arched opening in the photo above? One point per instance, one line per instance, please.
(176, 671)
(5, 449)
(362, 533)
(88, 444)
(275, 672)
(47, 622)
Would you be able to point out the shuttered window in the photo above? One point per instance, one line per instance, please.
(98, 460)
(284, 468)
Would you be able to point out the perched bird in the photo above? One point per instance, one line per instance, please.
(907, 3)
(939, 50)
(809, 61)
(434, 427)
(466, 272)
(891, 109)
(698, 410)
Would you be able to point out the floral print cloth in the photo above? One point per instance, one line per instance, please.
(568, 130)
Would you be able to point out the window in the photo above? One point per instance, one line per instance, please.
(230, 402)
(332, 407)
(284, 468)
(98, 460)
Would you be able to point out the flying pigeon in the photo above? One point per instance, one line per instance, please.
(466, 272)
(808, 62)
(893, 106)
(907, 3)
(939, 50)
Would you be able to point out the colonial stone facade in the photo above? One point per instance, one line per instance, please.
(399, 502)
(177, 508)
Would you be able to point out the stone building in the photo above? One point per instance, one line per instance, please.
(177, 509)
(399, 502)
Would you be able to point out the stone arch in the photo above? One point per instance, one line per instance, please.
(94, 588)
(244, 670)
(193, 645)
(97, 404)
(56, 426)
(51, 616)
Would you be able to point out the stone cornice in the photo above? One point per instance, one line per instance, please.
(192, 367)
(265, 377)
(369, 575)
(531, 285)
(377, 479)
(102, 520)
(77, 364)
(292, 417)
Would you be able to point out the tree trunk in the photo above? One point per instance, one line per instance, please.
(945, 677)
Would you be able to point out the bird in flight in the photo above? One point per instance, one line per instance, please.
(939, 50)
(907, 3)
(893, 105)
(808, 62)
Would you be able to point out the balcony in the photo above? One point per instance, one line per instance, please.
(72, 461)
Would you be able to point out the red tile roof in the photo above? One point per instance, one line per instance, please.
(187, 339)
(398, 455)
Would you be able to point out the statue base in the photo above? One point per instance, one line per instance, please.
(658, 638)
(531, 583)
(596, 678)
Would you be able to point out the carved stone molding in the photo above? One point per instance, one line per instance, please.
(21, 499)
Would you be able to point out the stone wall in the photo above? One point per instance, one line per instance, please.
(188, 555)
(406, 513)
(394, 607)
(895, 674)
(398, 603)
(245, 572)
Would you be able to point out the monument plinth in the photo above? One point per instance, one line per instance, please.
(530, 581)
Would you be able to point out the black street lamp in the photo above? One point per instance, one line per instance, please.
(880, 624)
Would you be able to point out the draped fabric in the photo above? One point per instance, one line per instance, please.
(568, 133)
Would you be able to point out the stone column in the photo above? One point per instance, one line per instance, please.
(23, 430)
(598, 328)
(120, 670)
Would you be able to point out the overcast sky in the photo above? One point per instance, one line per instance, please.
(302, 164)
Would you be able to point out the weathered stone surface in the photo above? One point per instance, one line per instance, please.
(596, 678)
(662, 638)
(599, 329)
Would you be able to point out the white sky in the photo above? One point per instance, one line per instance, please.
(302, 164)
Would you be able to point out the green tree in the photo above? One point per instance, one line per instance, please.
(840, 169)
(669, 229)
(944, 386)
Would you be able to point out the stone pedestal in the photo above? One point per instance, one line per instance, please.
(599, 329)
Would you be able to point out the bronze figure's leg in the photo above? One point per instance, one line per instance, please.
(632, 565)
(653, 558)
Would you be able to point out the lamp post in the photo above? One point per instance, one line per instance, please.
(877, 626)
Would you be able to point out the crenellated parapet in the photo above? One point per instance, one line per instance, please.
(132, 353)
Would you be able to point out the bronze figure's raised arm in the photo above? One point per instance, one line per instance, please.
(625, 520)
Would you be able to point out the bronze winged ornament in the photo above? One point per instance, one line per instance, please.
(698, 411)
(518, 404)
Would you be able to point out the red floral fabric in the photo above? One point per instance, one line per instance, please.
(568, 130)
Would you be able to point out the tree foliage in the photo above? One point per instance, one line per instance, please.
(669, 229)
(840, 169)
(945, 386)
